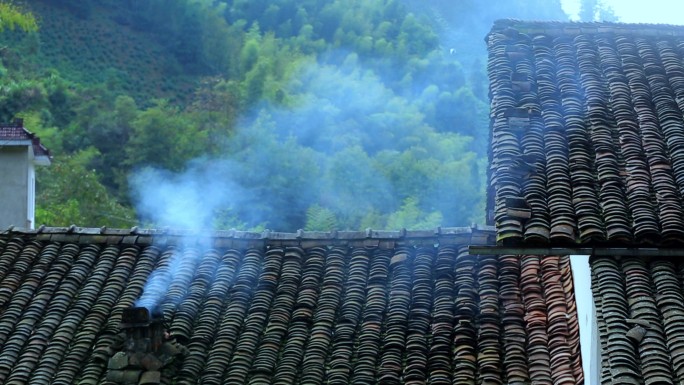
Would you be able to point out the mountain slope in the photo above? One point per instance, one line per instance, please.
(99, 46)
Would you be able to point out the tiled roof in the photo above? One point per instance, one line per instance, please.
(640, 311)
(587, 132)
(16, 132)
(305, 308)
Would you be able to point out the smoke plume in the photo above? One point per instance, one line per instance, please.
(344, 147)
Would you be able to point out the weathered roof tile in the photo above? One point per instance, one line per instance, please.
(287, 314)
(602, 157)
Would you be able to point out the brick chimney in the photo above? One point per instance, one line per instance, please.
(145, 355)
(20, 152)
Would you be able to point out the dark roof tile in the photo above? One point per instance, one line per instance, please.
(17, 133)
(288, 314)
(600, 159)
(633, 292)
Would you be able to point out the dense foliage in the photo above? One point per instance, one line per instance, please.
(12, 17)
(317, 114)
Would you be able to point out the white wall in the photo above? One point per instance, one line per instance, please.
(31, 195)
(586, 313)
(14, 178)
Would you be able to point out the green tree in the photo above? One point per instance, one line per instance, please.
(163, 136)
(221, 43)
(596, 10)
(410, 215)
(110, 132)
(368, 113)
(319, 218)
(588, 10)
(274, 172)
(68, 192)
(20, 95)
(12, 17)
(353, 187)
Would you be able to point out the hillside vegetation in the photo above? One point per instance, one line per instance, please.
(280, 114)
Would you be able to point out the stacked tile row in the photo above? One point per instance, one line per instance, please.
(586, 136)
(641, 308)
(289, 315)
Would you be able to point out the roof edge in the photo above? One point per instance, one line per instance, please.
(476, 234)
(578, 27)
(18, 135)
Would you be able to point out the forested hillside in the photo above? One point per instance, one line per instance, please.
(280, 114)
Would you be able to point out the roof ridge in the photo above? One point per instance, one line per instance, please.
(578, 27)
(16, 132)
(476, 234)
(267, 233)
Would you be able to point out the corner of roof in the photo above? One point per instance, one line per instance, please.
(16, 132)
